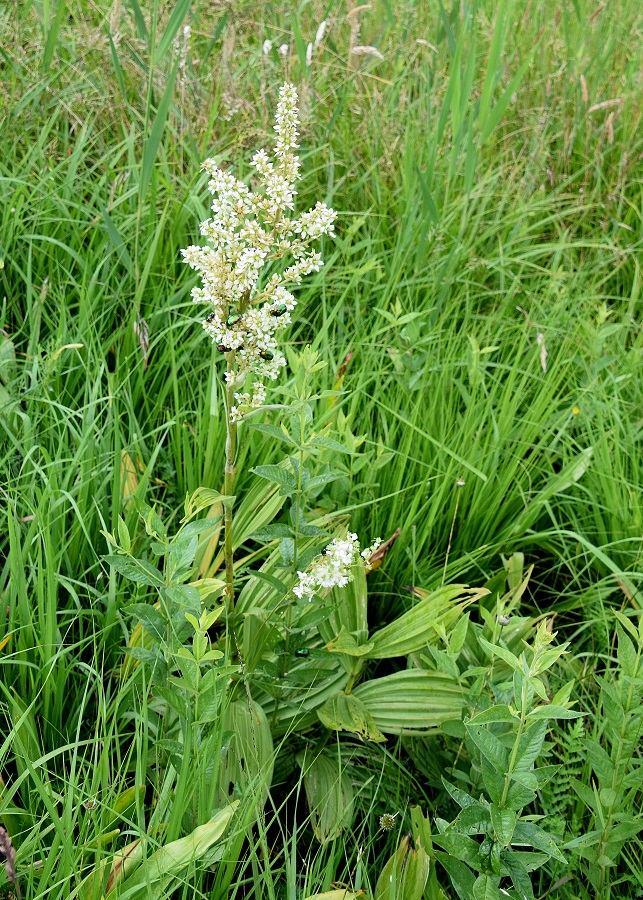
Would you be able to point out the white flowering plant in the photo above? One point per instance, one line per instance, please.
(283, 644)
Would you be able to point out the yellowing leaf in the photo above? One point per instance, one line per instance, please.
(346, 713)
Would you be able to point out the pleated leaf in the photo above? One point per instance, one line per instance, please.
(345, 712)
(417, 627)
(329, 793)
(411, 701)
(248, 761)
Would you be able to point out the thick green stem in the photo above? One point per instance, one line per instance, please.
(228, 487)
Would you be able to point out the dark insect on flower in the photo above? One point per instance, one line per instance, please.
(222, 348)
(233, 319)
(280, 310)
(266, 354)
(303, 651)
(387, 821)
(210, 317)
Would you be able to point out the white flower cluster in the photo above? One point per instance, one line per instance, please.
(246, 231)
(334, 568)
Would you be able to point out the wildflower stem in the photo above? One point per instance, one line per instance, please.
(228, 484)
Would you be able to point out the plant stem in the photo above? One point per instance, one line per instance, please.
(228, 484)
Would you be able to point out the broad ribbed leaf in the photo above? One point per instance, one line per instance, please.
(417, 627)
(248, 761)
(329, 793)
(346, 713)
(411, 701)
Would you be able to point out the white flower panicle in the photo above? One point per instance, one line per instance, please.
(334, 568)
(246, 231)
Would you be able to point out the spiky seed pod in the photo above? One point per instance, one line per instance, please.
(387, 821)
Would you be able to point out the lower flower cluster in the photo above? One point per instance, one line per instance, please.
(335, 567)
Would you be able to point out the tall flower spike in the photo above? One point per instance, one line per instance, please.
(246, 232)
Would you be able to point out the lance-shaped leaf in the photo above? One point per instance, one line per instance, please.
(345, 712)
(329, 793)
(416, 628)
(405, 875)
(411, 701)
(349, 605)
(170, 861)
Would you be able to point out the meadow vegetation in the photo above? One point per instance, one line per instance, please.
(463, 719)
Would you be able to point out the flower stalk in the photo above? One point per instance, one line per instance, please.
(250, 230)
(228, 487)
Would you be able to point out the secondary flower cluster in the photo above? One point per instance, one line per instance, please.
(334, 568)
(246, 231)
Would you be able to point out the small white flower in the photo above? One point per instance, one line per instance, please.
(283, 50)
(267, 47)
(334, 568)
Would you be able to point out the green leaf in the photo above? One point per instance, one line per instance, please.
(411, 701)
(319, 480)
(518, 874)
(276, 475)
(329, 793)
(345, 712)
(490, 747)
(474, 819)
(175, 857)
(346, 643)
(405, 874)
(174, 22)
(531, 835)
(530, 746)
(248, 762)
(461, 875)
(486, 887)
(151, 618)
(276, 431)
(200, 499)
(136, 570)
(504, 822)
(415, 628)
(327, 443)
(458, 636)
(156, 133)
(461, 797)
(271, 533)
(502, 652)
(550, 711)
(458, 845)
(500, 713)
